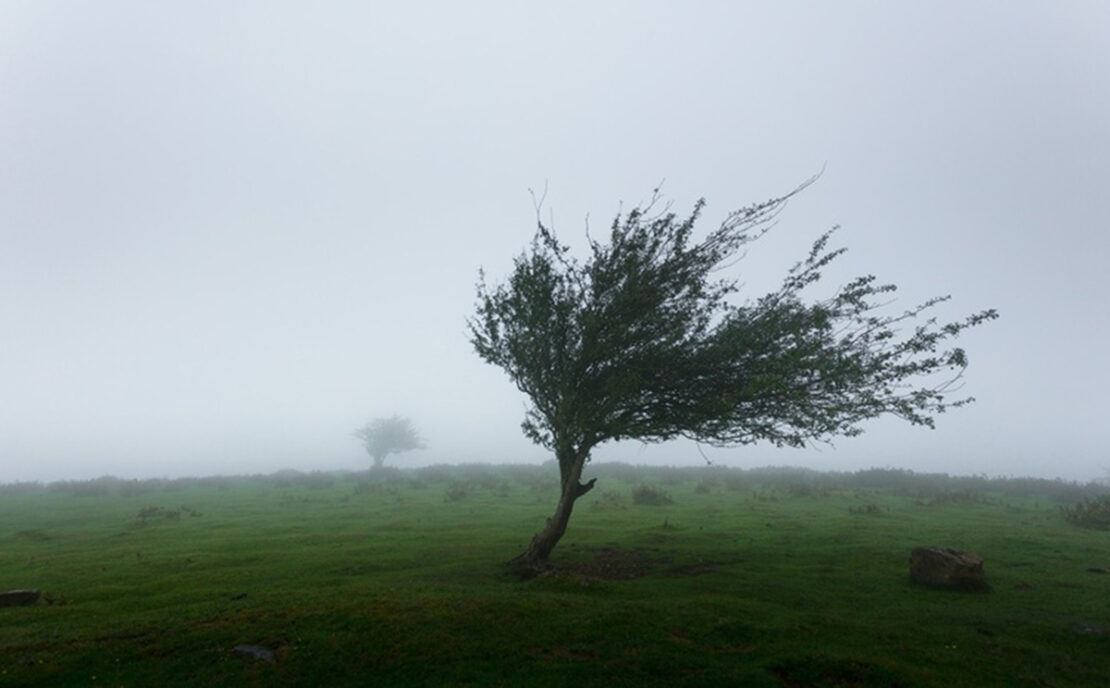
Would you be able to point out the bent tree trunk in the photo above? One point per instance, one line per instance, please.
(539, 550)
(379, 460)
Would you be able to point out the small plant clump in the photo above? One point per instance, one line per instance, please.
(456, 492)
(957, 497)
(806, 490)
(866, 509)
(765, 496)
(1093, 512)
(648, 495)
(367, 487)
(149, 513)
(608, 500)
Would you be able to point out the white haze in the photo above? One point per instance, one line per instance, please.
(231, 232)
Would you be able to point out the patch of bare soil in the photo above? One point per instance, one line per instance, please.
(560, 652)
(623, 564)
(704, 566)
(609, 562)
(612, 563)
(820, 672)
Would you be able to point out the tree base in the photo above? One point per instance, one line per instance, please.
(522, 569)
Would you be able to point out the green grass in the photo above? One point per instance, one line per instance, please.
(399, 581)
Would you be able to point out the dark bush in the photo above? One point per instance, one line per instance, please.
(647, 495)
(481, 476)
(152, 513)
(438, 473)
(20, 488)
(97, 487)
(219, 482)
(316, 480)
(132, 488)
(1090, 513)
(456, 492)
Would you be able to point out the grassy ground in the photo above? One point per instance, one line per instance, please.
(397, 580)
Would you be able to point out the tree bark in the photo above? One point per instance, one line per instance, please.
(379, 461)
(543, 542)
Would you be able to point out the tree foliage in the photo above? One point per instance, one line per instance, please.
(646, 339)
(385, 436)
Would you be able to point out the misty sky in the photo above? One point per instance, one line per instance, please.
(231, 232)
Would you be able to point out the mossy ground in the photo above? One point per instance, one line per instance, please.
(397, 579)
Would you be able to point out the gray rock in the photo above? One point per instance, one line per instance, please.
(258, 652)
(19, 598)
(946, 568)
(1088, 628)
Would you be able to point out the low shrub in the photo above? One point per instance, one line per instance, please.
(1090, 513)
(150, 513)
(607, 500)
(438, 473)
(20, 488)
(647, 495)
(97, 487)
(456, 492)
(133, 488)
(706, 485)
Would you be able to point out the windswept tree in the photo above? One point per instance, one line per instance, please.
(645, 340)
(385, 436)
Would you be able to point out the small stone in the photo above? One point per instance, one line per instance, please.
(19, 598)
(1087, 628)
(258, 652)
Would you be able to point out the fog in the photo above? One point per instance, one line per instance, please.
(231, 233)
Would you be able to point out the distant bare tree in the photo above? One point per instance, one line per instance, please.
(385, 436)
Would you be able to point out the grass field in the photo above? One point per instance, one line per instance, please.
(758, 578)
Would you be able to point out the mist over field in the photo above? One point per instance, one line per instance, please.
(233, 233)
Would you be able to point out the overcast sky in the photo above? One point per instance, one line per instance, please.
(231, 232)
